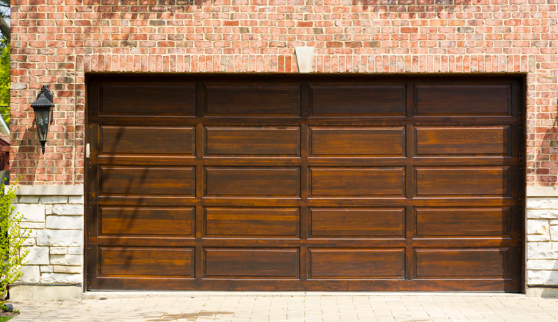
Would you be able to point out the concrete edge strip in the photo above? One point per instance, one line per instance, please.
(49, 190)
(166, 294)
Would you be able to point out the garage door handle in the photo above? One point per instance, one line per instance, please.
(87, 151)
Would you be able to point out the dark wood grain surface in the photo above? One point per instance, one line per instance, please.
(357, 141)
(305, 182)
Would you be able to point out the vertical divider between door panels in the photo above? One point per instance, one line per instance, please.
(198, 256)
(409, 182)
(304, 185)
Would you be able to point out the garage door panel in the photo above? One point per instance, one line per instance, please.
(354, 100)
(148, 261)
(463, 100)
(155, 140)
(252, 222)
(463, 222)
(252, 99)
(357, 182)
(463, 140)
(178, 181)
(329, 263)
(357, 222)
(147, 221)
(463, 263)
(243, 181)
(357, 141)
(148, 99)
(304, 182)
(251, 263)
(252, 141)
(466, 181)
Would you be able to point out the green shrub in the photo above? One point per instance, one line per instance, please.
(12, 236)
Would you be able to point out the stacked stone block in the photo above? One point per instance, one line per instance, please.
(56, 241)
(542, 241)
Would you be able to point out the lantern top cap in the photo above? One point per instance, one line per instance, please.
(44, 99)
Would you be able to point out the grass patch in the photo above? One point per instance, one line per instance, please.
(5, 318)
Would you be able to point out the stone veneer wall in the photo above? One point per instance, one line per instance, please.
(542, 241)
(56, 241)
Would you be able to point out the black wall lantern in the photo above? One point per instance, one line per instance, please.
(42, 107)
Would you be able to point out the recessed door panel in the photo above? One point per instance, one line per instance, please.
(463, 263)
(357, 182)
(244, 181)
(147, 221)
(252, 222)
(357, 222)
(151, 140)
(121, 180)
(465, 222)
(252, 99)
(357, 263)
(357, 141)
(252, 141)
(251, 263)
(470, 140)
(455, 181)
(147, 261)
(148, 99)
(462, 100)
(355, 100)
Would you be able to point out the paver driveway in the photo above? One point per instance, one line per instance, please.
(292, 307)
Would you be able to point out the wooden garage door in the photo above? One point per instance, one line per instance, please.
(304, 183)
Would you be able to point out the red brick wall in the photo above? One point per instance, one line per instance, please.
(57, 41)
